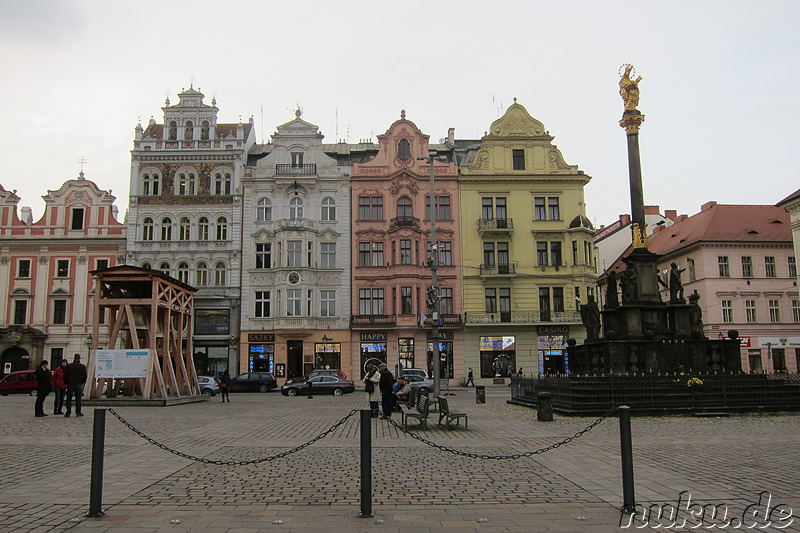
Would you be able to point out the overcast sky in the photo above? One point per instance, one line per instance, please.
(720, 89)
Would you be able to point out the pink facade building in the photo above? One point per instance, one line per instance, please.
(391, 233)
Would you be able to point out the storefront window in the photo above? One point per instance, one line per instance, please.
(445, 359)
(372, 353)
(211, 321)
(405, 347)
(212, 361)
(261, 358)
(328, 355)
(498, 356)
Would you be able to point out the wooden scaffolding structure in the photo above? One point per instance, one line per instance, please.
(145, 310)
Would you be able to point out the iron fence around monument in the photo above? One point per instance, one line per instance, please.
(663, 394)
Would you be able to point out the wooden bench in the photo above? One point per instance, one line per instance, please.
(449, 416)
(419, 410)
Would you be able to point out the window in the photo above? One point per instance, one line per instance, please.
(188, 133)
(220, 274)
(796, 310)
(222, 183)
(328, 213)
(487, 208)
(692, 271)
(296, 208)
(377, 254)
(445, 253)
(262, 304)
(62, 268)
(222, 229)
(446, 300)
(147, 266)
(552, 209)
(505, 304)
(370, 208)
(327, 303)
(77, 218)
(24, 268)
(56, 355)
(541, 253)
(202, 229)
(792, 267)
(490, 300)
(101, 264)
(205, 130)
(488, 254)
(555, 253)
(750, 311)
(501, 211)
(405, 348)
(294, 253)
(151, 184)
(575, 257)
(183, 272)
(558, 299)
(442, 208)
(264, 210)
(403, 150)
(405, 251)
(754, 356)
(327, 252)
(727, 311)
(183, 229)
(774, 310)
(405, 300)
(166, 229)
(370, 301)
(539, 210)
(186, 183)
(297, 159)
(165, 268)
(724, 267)
(502, 255)
(544, 304)
(20, 311)
(59, 311)
(363, 254)
(747, 267)
(404, 208)
(147, 229)
(769, 267)
(202, 274)
(518, 159)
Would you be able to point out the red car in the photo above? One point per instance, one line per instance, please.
(20, 382)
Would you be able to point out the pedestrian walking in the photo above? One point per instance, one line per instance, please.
(59, 387)
(76, 379)
(469, 378)
(43, 387)
(225, 385)
(371, 381)
(385, 385)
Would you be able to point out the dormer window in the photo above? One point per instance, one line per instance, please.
(173, 131)
(404, 150)
(77, 218)
(188, 133)
(205, 130)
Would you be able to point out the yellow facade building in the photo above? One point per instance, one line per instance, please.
(527, 252)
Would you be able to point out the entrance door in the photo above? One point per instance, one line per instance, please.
(294, 358)
(19, 358)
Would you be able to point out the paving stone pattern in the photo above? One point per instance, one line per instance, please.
(416, 487)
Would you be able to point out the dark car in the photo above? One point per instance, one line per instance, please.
(327, 372)
(20, 382)
(254, 382)
(319, 385)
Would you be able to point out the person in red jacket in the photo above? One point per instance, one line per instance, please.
(60, 387)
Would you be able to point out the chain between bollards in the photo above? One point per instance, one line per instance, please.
(98, 450)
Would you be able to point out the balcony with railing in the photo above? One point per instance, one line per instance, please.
(504, 270)
(521, 317)
(495, 225)
(373, 321)
(445, 320)
(404, 222)
(295, 223)
(284, 169)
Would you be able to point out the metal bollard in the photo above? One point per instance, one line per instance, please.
(544, 407)
(480, 394)
(366, 464)
(626, 451)
(98, 446)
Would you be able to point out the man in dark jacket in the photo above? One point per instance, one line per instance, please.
(43, 387)
(385, 385)
(76, 378)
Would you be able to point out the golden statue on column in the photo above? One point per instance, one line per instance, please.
(632, 118)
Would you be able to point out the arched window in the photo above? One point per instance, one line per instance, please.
(222, 183)
(202, 274)
(205, 129)
(328, 210)
(146, 266)
(173, 130)
(164, 268)
(264, 210)
(296, 208)
(220, 274)
(186, 183)
(147, 229)
(188, 133)
(151, 184)
(183, 229)
(222, 229)
(183, 272)
(166, 229)
(403, 150)
(202, 229)
(404, 208)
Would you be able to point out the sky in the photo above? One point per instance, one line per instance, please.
(720, 84)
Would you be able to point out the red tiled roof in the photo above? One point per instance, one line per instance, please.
(794, 196)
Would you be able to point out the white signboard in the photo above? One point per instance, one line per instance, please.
(779, 342)
(121, 363)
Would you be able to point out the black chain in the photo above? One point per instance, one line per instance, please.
(512, 456)
(232, 463)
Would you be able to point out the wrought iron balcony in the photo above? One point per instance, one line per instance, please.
(373, 321)
(296, 170)
(509, 269)
(446, 320)
(491, 225)
(404, 222)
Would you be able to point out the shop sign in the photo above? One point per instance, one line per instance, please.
(373, 336)
(552, 330)
(260, 337)
(778, 342)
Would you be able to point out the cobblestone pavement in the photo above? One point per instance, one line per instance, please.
(725, 463)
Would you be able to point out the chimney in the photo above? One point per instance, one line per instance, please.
(624, 220)
(671, 214)
(652, 210)
(708, 205)
(451, 136)
(26, 215)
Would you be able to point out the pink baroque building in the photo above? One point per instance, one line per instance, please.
(45, 266)
(391, 246)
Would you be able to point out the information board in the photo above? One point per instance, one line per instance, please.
(111, 364)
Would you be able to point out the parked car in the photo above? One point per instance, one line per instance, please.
(19, 382)
(319, 372)
(254, 382)
(208, 385)
(319, 385)
(419, 383)
(415, 372)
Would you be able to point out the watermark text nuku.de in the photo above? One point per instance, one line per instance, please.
(686, 514)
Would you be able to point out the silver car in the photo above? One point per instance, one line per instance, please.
(419, 383)
(208, 385)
